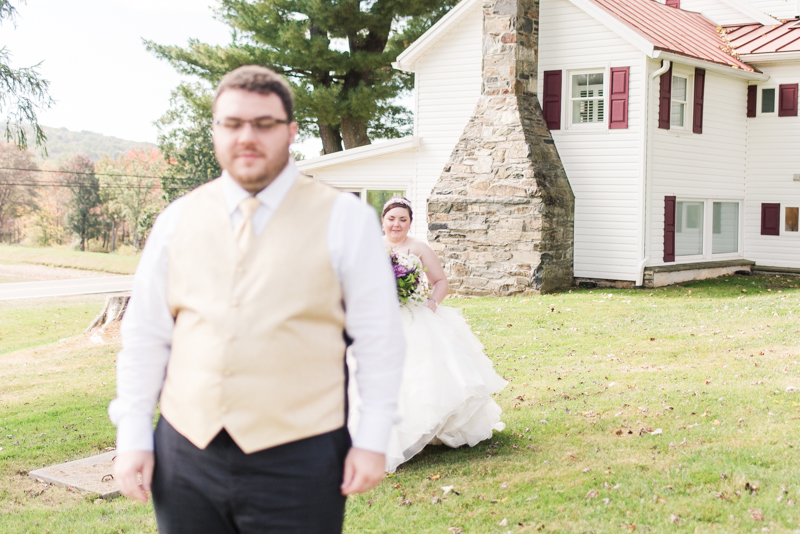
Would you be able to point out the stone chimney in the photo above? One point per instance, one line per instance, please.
(501, 215)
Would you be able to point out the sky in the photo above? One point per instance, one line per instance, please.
(102, 78)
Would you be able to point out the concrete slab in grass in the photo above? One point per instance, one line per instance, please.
(93, 474)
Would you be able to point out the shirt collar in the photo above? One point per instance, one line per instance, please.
(271, 196)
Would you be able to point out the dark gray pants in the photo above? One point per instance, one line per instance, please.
(291, 488)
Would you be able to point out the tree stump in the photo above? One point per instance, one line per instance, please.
(113, 310)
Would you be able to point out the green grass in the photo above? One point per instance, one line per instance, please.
(28, 323)
(591, 373)
(56, 257)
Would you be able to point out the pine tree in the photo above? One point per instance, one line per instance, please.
(337, 54)
(22, 93)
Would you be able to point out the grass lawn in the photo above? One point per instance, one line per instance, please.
(56, 257)
(659, 411)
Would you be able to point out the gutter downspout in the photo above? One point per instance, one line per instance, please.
(648, 165)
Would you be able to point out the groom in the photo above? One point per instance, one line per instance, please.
(244, 297)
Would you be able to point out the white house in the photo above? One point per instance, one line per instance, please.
(677, 126)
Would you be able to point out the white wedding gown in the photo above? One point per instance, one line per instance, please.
(445, 396)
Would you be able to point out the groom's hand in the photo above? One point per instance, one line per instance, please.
(127, 466)
(363, 470)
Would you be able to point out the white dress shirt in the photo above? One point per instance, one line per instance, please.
(372, 320)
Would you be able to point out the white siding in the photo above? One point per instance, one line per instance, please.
(773, 158)
(717, 11)
(393, 171)
(780, 9)
(708, 166)
(604, 166)
(448, 86)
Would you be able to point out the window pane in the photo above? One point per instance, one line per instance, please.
(580, 82)
(676, 117)
(725, 236)
(689, 229)
(377, 198)
(791, 219)
(679, 88)
(768, 101)
(587, 98)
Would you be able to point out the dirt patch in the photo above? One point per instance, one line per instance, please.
(25, 272)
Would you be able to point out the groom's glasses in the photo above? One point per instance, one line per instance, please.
(260, 124)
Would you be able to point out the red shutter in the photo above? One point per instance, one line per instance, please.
(787, 100)
(552, 99)
(752, 91)
(673, 3)
(619, 98)
(770, 219)
(699, 91)
(669, 228)
(665, 99)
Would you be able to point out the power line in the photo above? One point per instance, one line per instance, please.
(81, 185)
(97, 173)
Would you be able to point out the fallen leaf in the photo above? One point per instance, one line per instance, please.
(503, 523)
(406, 502)
(398, 486)
(455, 530)
(434, 477)
(592, 494)
(756, 514)
(674, 519)
(656, 432)
(447, 489)
(436, 500)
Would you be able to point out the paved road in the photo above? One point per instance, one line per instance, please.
(61, 288)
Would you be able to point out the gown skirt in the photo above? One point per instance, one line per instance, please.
(447, 387)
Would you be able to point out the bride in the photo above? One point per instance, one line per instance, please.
(445, 396)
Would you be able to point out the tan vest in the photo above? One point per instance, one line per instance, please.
(258, 346)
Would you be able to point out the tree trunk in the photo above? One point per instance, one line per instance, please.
(331, 139)
(113, 236)
(354, 133)
(113, 311)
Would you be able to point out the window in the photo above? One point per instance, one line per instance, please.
(376, 197)
(768, 101)
(725, 228)
(587, 98)
(689, 228)
(679, 100)
(790, 224)
(700, 229)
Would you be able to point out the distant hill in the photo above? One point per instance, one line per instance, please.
(63, 142)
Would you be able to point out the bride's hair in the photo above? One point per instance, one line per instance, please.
(398, 202)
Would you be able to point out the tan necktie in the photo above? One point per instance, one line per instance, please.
(245, 235)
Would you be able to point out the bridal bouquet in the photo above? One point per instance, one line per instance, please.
(408, 274)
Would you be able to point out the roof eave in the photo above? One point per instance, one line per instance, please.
(771, 57)
(359, 153)
(406, 60)
(710, 65)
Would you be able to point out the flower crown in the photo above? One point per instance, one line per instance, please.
(397, 200)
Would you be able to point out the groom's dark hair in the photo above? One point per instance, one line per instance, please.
(258, 79)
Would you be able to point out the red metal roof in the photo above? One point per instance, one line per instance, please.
(674, 30)
(760, 39)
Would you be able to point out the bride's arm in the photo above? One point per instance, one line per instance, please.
(435, 273)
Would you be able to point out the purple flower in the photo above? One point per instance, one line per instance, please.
(400, 270)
